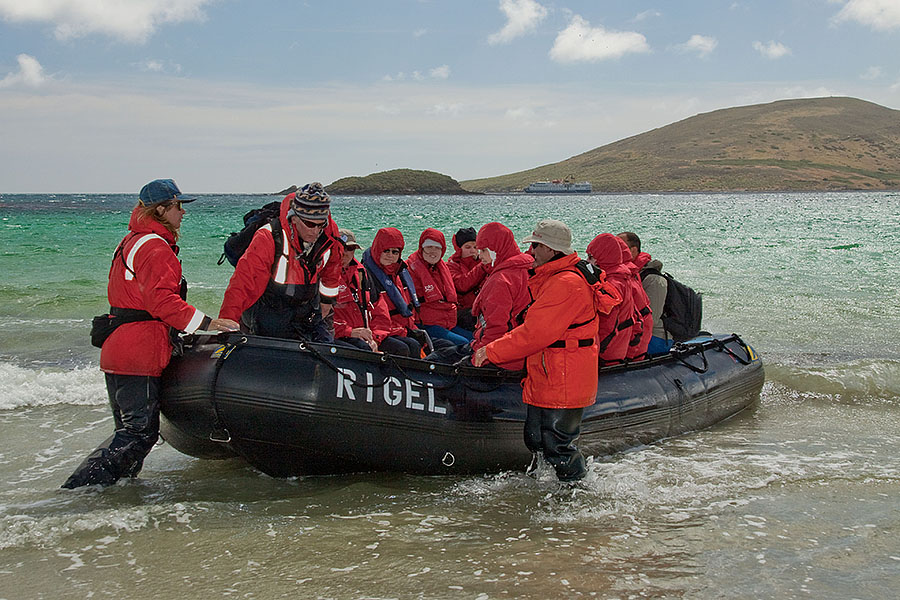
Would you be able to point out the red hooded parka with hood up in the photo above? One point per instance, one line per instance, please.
(146, 275)
(504, 293)
(468, 274)
(391, 237)
(434, 284)
(616, 329)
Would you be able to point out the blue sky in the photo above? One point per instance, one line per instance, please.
(238, 96)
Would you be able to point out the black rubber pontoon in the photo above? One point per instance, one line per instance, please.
(293, 408)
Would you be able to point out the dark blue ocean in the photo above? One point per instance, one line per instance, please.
(796, 498)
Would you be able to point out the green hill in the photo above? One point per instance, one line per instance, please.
(807, 144)
(399, 182)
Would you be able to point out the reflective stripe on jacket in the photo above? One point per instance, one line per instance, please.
(151, 282)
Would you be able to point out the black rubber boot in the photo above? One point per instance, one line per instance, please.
(559, 430)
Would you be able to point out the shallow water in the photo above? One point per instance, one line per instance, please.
(796, 498)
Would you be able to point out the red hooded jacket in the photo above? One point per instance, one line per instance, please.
(151, 281)
(641, 338)
(504, 294)
(390, 237)
(616, 329)
(468, 274)
(561, 372)
(258, 265)
(434, 284)
(348, 311)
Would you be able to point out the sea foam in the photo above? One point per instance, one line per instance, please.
(20, 387)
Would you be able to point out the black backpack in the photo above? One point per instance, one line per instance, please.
(237, 242)
(683, 310)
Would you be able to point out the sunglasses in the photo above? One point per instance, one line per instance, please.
(176, 203)
(535, 245)
(313, 224)
(392, 251)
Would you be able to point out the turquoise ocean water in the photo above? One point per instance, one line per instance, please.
(799, 497)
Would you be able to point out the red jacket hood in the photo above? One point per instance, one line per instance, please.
(641, 259)
(498, 237)
(519, 261)
(138, 223)
(605, 250)
(387, 237)
(433, 234)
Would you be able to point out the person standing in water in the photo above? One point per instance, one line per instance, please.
(147, 299)
(558, 339)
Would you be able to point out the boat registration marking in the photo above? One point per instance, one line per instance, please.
(394, 392)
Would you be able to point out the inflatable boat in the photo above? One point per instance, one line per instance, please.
(295, 408)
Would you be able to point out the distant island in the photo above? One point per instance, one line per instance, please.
(399, 182)
(814, 144)
(790, 145)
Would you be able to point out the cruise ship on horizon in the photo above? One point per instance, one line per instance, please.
(559, 186)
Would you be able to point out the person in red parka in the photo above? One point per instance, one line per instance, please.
(468, 274)
(558, 339)
(287, 279)
(642, 337)
(435, 289)
(147, 298)
(617, 329)
(394, 285)
(504, 293)
(361, 317)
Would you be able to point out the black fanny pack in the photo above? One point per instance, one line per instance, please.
(102, 326)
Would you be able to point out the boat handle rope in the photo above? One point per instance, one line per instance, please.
(219, 432)
(681, 353)
(324, 359)
(720, 345)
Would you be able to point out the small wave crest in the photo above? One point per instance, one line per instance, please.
(20, 387)
(856, 380)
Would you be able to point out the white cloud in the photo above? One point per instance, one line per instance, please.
(419, 33)
(701, 44)
(522, 16)
(581, 42)
(881, 15)
(771, 50)
(521, 113)
(30, 73)
(132, 21)
(871, 73)
(647, 14)
(441, 72)
(445, 109)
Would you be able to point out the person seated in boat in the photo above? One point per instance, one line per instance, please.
(468, 275)
(558, 338)
(437, 294)
(616, 331)
(287, 280)
(393, 284)
(147, 298)
(361, 317)
(655, 289)
(503, 296)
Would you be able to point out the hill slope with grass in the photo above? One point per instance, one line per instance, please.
(793, 145)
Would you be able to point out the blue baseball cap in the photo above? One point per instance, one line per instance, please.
(161, 190)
